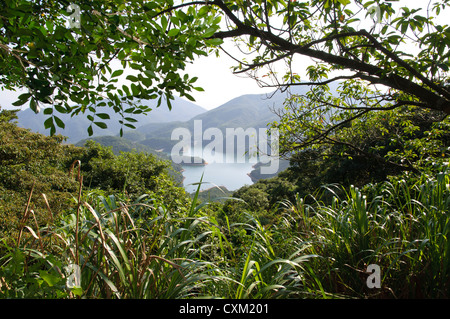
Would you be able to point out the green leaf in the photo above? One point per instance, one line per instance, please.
(48, 111)
(173, 32)
(59, 122)
(101, 125)
(164, 23)
(130, 126)
(203, 11)
(60, 109)
(48, 123)
(49, 25)
(103, 116)
(126, 90)
(190, 97)
(24, 96)
(50, 279)
(20, 102)
(344, 2)
(77, 291)
(117, 73)
(135, 89)
(404, 27)
(209, 32)
(214, 42)
(132, 78)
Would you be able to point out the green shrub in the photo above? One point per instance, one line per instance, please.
(402, 226)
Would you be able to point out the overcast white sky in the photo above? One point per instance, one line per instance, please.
(216, 78)
(221, 85)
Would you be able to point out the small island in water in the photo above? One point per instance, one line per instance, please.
(187, 160)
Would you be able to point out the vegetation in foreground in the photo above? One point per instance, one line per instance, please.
(157, 242)
(85, 222)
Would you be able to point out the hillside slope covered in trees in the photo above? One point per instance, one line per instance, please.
(362, 211)
(133, 233)
(35, 164)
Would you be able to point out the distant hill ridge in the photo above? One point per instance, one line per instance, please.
(153, 133)
(155, 129)
(245, 111)
(76, 127)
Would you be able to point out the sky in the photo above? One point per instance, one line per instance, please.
(221, 85)
(216, 78)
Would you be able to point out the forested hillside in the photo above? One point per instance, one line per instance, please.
(49, 171)
(299, 234)
(361, 211)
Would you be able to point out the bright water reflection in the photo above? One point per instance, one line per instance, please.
(231, 175)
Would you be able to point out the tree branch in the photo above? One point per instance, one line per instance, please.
(428, 97)
(405, 65)
(337, 78)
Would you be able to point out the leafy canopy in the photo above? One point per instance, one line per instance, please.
(47, 170)
(67, 68)
(401, 52)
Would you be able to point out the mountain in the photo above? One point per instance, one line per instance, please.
(250, 110)
(246, 111)
(155, 129)
(76, 127)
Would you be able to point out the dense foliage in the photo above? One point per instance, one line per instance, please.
(132, 234)
(48, 170)
(32, 164)
(62, 53)
(369, 181)
(367, 150)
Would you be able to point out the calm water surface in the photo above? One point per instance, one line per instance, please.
(230, 175)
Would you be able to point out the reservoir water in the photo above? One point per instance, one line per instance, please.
(231, 175)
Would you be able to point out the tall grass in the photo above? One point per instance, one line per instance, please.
(320, 247)
(401, 226)
(141, 250)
